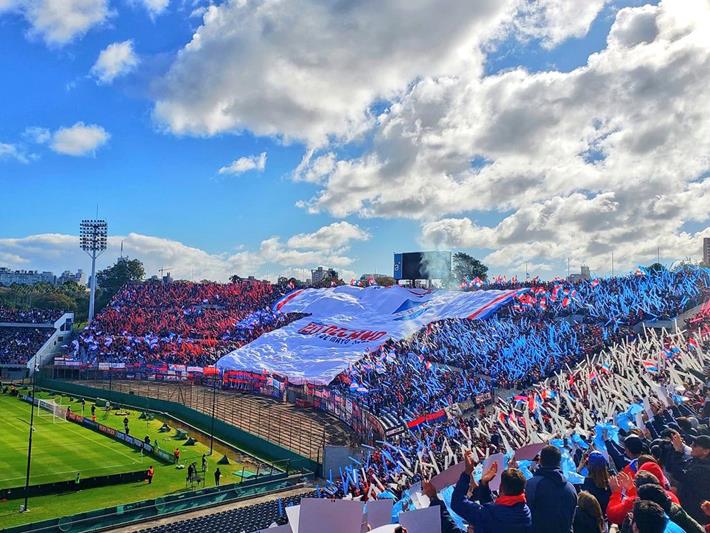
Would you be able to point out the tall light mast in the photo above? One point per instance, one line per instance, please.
(92, 239)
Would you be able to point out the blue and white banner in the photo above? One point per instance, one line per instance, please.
(346, 322)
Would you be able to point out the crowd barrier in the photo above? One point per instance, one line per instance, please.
(122, 515)
(59, 487)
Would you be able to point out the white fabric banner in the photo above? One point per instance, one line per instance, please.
(346, 322)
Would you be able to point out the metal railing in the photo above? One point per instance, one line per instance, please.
(172, 504)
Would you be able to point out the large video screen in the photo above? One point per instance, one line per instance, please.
(422, 265)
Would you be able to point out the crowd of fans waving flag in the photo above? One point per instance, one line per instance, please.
(620, 439)
(453, 360)
(564, 371)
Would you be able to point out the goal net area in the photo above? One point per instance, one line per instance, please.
(50, 408)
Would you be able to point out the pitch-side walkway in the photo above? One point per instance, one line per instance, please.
(302, 430)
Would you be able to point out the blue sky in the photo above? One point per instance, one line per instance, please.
(153, 178)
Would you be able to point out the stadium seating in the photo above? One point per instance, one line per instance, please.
(30, 316)
(549, 326)
(244, 519)
(569, 357)
(179, 322)
(19, 344)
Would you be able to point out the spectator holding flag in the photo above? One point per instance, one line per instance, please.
(508, 514)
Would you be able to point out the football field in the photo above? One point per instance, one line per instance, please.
(59, 449)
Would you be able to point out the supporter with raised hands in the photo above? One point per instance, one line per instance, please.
(624, 490)
(625, 458)
(690, 469)
(509, 513)
(447, 523)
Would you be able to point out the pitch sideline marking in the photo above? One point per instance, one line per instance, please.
(98, 441)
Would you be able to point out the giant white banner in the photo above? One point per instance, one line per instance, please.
(346, 322)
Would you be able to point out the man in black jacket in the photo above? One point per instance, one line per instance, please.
(551, 498)
(692, 473)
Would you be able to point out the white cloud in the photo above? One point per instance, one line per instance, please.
(58, 22)
(12, 151)
(155, 7)
(117, 59)
(332, 237)
(634, 26)
(245, 164)
(198, 12)
(553, 21)
(585, 228)
(272, 258)
(611, 154)
(309, 70)
(79, 139)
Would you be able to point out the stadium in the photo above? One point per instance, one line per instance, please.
(355, 266)
(362, 394)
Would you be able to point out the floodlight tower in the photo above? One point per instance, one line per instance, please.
(92, 239)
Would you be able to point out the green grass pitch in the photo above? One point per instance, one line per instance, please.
(59, 449)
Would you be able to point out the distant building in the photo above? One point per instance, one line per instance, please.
(320, 274)
(66, 276)
(585, 274)
(706, 251)
(25, 277)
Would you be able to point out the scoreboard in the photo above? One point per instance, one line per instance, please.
(422, 265)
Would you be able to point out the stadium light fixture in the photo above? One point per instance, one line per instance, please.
(93, 237)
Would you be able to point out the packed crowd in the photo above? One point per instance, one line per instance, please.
(700, 323)
(610, 410)
(179, 322)
(454, 361)
(617, 301)
(621, 439)
(548, 327)
(19, 344)
(30, 316)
